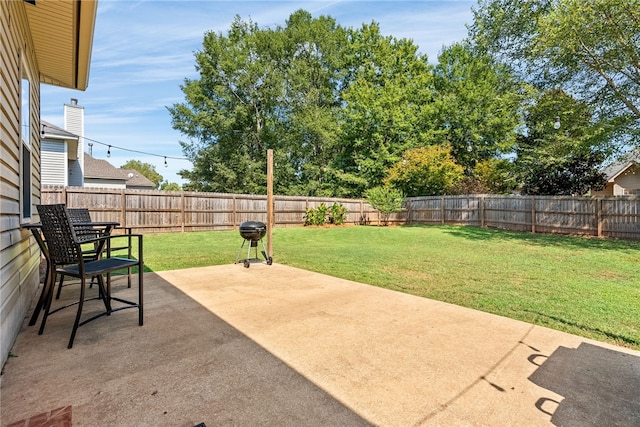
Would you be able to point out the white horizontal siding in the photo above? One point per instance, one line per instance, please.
(54, 163)
(76, 178)
(104, 183)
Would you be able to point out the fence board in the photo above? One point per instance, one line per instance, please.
(164, 211)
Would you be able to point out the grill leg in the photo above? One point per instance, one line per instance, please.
(267, 258)
(239, 251)
(249, 251)
(248, 259)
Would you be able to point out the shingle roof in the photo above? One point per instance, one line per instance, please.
(616, 168)
(136, 179)
(96, 168)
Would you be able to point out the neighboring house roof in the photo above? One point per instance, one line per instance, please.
(136, 179)
(101, 169)
(615, 169)
(49, 130)
(62, 33)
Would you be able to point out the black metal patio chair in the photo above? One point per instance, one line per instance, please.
(65, 249)
(83, 232)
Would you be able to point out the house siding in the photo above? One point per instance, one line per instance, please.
(75, 174)
(105, 183)
(54, 163)
(19, 274)
(628, 182)
(625, 183)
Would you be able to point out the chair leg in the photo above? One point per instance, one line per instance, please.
(105, 293)
(60, 285)
(140, 297)
(76, 323)
(47, 303)
(42, 298)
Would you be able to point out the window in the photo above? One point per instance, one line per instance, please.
(25, 152)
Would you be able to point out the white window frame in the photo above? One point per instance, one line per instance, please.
(26, 157)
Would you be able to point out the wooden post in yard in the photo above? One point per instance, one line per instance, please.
(270, 221)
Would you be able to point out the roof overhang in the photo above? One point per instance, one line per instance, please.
(623, 169)
(62, 32)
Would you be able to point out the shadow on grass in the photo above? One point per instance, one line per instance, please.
(621, 339)
(556, 240)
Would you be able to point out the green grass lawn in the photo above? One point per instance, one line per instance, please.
(588, 287)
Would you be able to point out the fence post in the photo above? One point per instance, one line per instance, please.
(482, 211)
(270, 203)
(234, 212)
(123, 210)
(183, 217)
(599, 215)
(442, 210)
(533, 215)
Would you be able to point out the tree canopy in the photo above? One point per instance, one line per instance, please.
(342, 107)
(560, 150)
(590, 48)
(426, 171)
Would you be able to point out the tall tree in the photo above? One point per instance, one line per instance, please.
(589, 47)
(477, 106)
(389, 95)
(231, 112)
(314, 62)
(561, 149)
(260, 89)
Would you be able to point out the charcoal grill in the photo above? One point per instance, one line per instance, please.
(252, 232)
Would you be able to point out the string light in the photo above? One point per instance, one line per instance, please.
(109, 147)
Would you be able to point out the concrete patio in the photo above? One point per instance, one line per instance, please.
(279, 346)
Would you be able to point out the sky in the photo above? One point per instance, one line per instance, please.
(143, 51)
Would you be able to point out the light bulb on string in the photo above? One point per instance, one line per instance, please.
(556, 123)
(165, 162)
(109, 151)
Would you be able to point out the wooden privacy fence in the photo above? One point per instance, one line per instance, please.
(617, 217)
(170, 211)
(153, 211)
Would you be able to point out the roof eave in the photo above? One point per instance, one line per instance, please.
(86, 28)
(62, 33)
(620, 171)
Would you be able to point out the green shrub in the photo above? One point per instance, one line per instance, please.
(338, 214)
(386, 199)
(317, 216)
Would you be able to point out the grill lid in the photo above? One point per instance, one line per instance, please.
(253, 230)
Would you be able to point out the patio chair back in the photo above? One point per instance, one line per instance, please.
(82, 216)
(59, 234)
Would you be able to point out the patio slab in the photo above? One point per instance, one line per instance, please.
(276, 345)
